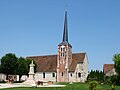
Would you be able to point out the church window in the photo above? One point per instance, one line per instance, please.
(62, 73)
(53, 74)
(71, 74)
(79, 75)
(61, 49)
(61, 55)
(43, 75)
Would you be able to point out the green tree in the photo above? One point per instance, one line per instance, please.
(9, 63)
(116, 60)
(96, 75)
(22, 68)
(12, 65)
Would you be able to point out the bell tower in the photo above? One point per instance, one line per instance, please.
(64, 58)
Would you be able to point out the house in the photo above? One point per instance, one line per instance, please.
(64, 66)
(109, 69)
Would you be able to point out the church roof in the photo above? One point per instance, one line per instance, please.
(45, 63)
(48, 63)
(65, 43)
(108, 67)
(77, 58)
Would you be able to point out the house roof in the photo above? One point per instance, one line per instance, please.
(48, 63)
(108, 67)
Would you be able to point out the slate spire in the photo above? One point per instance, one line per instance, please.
(65, 33)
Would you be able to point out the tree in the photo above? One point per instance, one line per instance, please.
(12, 65)
(116, 60)
(9, 63)
(96, 75)
(22, 68)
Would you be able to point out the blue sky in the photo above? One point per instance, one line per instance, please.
(35, 27)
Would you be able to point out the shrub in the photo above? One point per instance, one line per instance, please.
(93, 85)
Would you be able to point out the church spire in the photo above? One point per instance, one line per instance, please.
(65, 34)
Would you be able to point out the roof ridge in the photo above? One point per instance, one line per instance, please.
(79, 53)
(43, 55)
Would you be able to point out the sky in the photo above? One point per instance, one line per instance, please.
(35, 28)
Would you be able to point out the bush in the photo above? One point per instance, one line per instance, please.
(93, 85)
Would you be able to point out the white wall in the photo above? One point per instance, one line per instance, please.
(75, 77)
(48, 76)
(81, 68)
(2, 77)
(85, 67)
(110, 73)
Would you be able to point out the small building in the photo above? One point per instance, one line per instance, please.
(109, 70)
(64, 66)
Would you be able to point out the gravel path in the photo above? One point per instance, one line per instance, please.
(25, 85)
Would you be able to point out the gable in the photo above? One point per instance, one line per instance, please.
(77, 58)
(108, 67)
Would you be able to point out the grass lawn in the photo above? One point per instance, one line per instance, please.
(74, 86)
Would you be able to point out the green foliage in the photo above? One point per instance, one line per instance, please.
(12, 65)
(93, 85)
(116, 60)
(108, 80)
(9, 63)
(96, 75)
(112, 80)
(22, 67)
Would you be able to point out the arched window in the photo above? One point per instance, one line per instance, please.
(79, 75)
(61, 54)
(53, 74)
(62, 73)
(61, 49)
(43, 75)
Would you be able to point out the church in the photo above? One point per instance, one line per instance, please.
(64, 66)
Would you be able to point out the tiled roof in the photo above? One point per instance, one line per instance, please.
(108, 67)
(48, 63)
(45, 63)
(77, 58)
